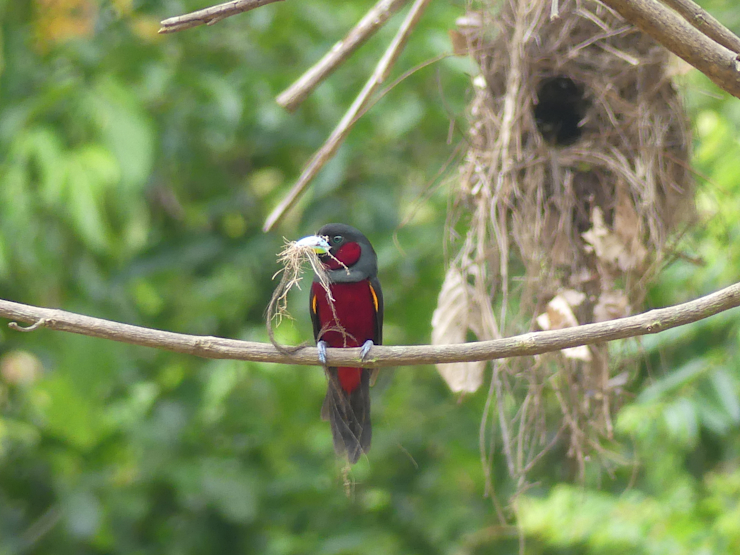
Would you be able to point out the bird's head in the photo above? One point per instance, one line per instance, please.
(345, 252)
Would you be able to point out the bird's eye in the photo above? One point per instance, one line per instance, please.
(336, 239)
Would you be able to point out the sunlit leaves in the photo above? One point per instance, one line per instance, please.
(61, 20)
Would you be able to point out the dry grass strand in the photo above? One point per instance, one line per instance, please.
(292, 259)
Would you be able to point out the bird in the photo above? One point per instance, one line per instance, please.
(354, 318)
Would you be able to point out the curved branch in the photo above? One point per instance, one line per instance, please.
(528, 344)
(209, 16)
(666, 26)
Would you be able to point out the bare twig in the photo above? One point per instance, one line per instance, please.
(209, 16)
(528, 344)
(335, 140)
(292, 97)
(706, 23)
(33, 327)
(717, 62)
(41, 527)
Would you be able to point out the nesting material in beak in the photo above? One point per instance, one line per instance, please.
(319, 244)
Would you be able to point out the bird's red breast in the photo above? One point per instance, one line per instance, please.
(356, 308)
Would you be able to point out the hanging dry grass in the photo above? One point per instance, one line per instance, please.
(575, 181)
(292, 259)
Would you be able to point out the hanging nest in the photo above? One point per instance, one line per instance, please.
(575, 186)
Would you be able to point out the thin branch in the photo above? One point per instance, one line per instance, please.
(337, 137)
(209, 16)
(706, 23)
(528, 344)
(720, 64)
(292, 97)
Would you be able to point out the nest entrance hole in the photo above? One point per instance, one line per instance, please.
(559, 111)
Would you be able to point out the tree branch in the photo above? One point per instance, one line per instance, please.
(706, 23)
(292, 97)
(720, 64)
(209, 16)
(337, 137)
(528, 344)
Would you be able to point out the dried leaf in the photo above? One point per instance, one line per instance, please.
(581, 277)
(612, 304)
(454, 316)
(603, 242)
(623, 251)
(560, 315)
(459, 43)
(618, 381)
(627, 227)
(573, 297)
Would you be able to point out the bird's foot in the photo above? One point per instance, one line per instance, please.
(366, 349)
(321, 346)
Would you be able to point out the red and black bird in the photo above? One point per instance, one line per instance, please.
(356, 320)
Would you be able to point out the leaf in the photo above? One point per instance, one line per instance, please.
(459, 42)
(91, 171)
(125, 130)
(627, 228)
(70, 415)
(682, 420)
(610, 247)
(559, 315)
(611, 305)
(458, 311)
(50, 158)
(688, 373)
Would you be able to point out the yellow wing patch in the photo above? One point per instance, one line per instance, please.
(314, 303)
(375, 297)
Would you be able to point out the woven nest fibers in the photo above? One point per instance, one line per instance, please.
(577, 127)
(575, 182)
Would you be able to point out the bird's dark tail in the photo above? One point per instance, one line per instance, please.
(349, 415)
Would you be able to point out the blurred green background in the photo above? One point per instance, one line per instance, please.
(136, 171)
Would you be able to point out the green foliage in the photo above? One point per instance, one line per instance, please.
(135, 174)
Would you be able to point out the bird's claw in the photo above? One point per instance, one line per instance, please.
(321, 346)
(366, 349)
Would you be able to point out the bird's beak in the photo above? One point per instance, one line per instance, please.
(319, 244)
